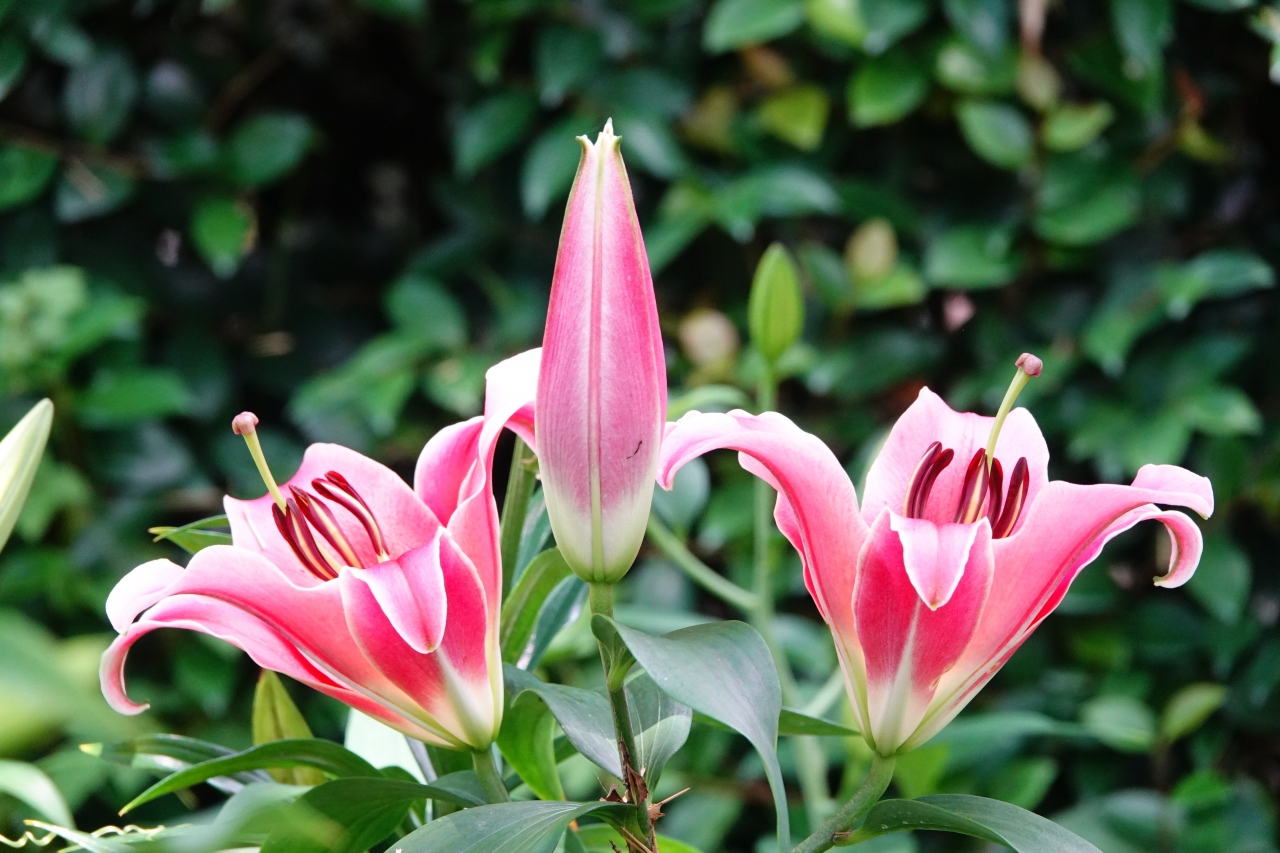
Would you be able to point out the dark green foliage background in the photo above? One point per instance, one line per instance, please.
(339, 213)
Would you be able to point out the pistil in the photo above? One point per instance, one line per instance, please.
(1028, 365)
(245, 424)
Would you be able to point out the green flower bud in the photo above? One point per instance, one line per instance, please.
(775, 311)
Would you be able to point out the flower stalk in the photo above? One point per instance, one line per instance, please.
(495, 790)
(851, 813)
(515, 507)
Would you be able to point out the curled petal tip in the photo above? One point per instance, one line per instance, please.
(244, 423)
(1030, 364)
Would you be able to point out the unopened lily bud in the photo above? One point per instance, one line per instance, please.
(1030, 364)
(602, 387)
(775, 309)
(20, 453)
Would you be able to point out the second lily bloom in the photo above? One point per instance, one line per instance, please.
(602, 389)
(960, 548)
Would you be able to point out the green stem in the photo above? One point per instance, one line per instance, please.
(515, 506)
(490, 777)
(811, 763)
(698, 572)
(848, 815)
(601, 602)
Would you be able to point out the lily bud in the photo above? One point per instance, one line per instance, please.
(775, 309)
(20, 453)
(602, 387)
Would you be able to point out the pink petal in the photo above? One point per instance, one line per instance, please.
(929, 419)
(138, 590)
(445, 465)
(907, 647)
(405, 521)
(817, 509)
(602, 388)
(454, 683)
(410, 592)
(935, 555)
(1062, 531)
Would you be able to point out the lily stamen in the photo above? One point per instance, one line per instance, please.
(1019, 482)
(335, 487)
(323, 520)
(974, 492)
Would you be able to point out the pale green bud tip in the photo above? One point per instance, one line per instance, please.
(91, 748)
(245, 423)
(1029, 364)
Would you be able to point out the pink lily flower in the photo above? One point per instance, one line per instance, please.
(934, 581)
(381, 596)
(602, 396)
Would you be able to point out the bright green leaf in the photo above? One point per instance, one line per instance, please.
(122, 397)
(886, 89)
(1189, 708)
(529, 827)
(490, 128)
(1073, 126)
(266, 147)
(276, 717)
(223, 230)
(24, 173)
(997, 132)
(979, 817)
(1121, 722)
(971, 256)
(985, 23)
(738, 23)
(797, 116)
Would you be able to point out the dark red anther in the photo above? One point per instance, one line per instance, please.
(996, 492)
(931, 464)
(323, 520)
(974, 491)
(1019, 483)
(335, 487)
(295, 531)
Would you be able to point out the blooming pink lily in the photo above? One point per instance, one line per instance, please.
(602, 398)
(379, 595)
(945, 569)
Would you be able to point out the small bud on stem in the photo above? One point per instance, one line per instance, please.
(1028, 366)
(245, 424)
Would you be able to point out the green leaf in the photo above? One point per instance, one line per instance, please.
(1218, 273)
(167, 753)
(529, 827)
(30, 786)
(887, 88)
(1085, 200)
(985, 23)
(1071, 127)
(602, 838)
(565, 58)
(972, 256)
(490, 128)
(551, 165)
(527, 742)
(901, 286)
(979, 817)
(840, 20)
(661, 725)
(1143, 28)
(266, 147)
(888, 21)
(88, 191)
(799, 723)
(60, 39)
(421, 307)
(1219, 410)
(584, 715)
(1189, 708)
(1121, 722)
(24, 173)
(195, 536)
(738, 23)
(775, 308)
(276, 717)
(1024, 782)
(998, 133)
(223, 230)
(963, 68)
(99, 94)
(122, 397)
(723, 670)
(525, 601)
(13, 61)
(797, 116)
(347, 815)
(320, 754)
